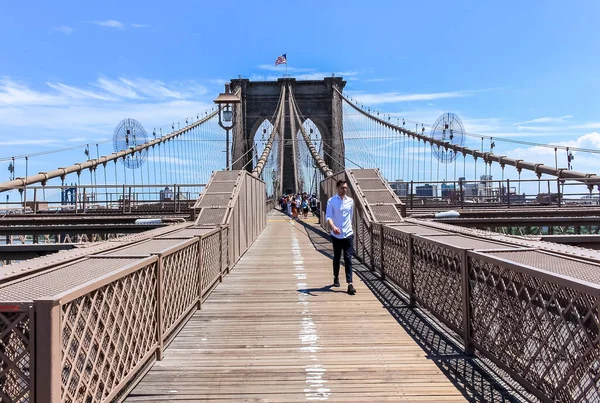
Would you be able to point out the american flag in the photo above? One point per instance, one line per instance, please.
(281, 60)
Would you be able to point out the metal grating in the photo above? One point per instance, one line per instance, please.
(379, 196)
(555, 264)
(386, 213)
(371, 184)
(144, 249)
(226, 175)
(215, 199)
(365, 173)
(437, 280)
(15, 357)
(212, 216)
(218, 187)
(105, 333)
(465, 242)
(180, 279)
(419, 230)
(60, 279)
(211, 269)
(545, 331)
(186, 233)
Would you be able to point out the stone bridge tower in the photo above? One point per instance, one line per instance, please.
(316, 100)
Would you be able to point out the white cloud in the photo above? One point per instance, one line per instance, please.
(64, 29)
(560, 119)
(140, 25)
(116, 88)
(13, 93)
(78, 93)
(393, 97)
(110, 24)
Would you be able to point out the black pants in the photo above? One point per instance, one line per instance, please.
(347, 246)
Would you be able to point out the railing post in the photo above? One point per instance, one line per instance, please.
(466, 302)
(372, 263)
(48, 351)
(200, 268)
(123, 200)
(381, 250)
(83, 200)
(558, 191)
(129, 201)
(411, 276)
(411, 195)
(159, 307)
(221, 255)
(200, 262)
(462, 194)
(24, 200)
(175, 197)
(35, 201)
(508, 193)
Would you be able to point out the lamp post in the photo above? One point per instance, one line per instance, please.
(226, 102)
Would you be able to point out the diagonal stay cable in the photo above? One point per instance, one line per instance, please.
(488, 157)
(265, 154)
(315, 155)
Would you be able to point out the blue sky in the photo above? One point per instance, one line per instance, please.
(70, 71)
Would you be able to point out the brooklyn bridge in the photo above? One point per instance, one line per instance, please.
(162, 270)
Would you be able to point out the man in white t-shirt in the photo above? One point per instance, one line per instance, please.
(338, 215)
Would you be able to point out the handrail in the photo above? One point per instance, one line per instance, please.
(587, 178)
(78, 167)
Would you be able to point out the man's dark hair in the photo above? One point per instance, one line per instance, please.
(340, 183)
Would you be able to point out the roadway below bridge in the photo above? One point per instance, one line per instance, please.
(277, 331)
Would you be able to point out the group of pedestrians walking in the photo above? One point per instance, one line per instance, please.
(299, 205)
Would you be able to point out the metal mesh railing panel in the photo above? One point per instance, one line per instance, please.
(180, 284)
(186, 233)
(15, 357)
(105, 334)
(215, 199)
(555, 264)
(461, 241)
(60, 279)
(377, 245)
(385, 213)
(371, 184)
(420, 230)
(144, 248)
(211, 263)
(211, 216)
(365, 173)
(225, 248)
(396, 257)
(379, 196)
(437, 280)
(545, 332)
(362, 239)
(226, 175)
(220, 187)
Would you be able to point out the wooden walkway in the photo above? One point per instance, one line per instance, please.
(276, 331)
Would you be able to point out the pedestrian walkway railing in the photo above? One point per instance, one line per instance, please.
(532, 312)
(86, 330)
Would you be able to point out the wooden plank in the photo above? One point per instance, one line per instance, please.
(276, 331)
